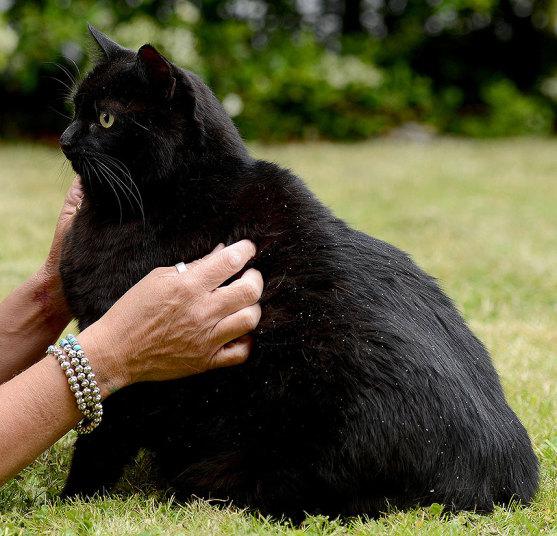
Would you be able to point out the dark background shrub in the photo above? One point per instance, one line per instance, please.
(304, 69)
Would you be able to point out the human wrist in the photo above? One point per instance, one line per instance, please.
(48, 292)
(107, 359)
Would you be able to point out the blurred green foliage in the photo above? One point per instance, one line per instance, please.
(319, 69)
(510, 114)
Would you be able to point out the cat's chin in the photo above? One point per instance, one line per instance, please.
(78, 166)
(77, 169)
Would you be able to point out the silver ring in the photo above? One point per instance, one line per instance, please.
(181, 267)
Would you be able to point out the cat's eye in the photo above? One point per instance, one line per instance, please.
(106, 119)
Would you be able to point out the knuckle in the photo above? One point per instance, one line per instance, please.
(160, 270)
(188, 288)
(241, 353)
(194, 263)
(250, 291)
(232, 260)
(249, 319)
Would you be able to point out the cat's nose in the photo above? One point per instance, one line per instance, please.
(66, 146)
(68, 138)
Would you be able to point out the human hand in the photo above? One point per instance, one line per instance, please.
(47, 281)
(72, 202)
(172, 325)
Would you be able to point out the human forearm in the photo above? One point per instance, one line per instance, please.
(169, 325)
(37, 408)
(31, 317)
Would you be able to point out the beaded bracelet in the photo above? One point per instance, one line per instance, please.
(81, 380)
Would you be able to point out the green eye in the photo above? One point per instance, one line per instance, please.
(106, 119)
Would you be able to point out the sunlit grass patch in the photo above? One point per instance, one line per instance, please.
(481, 217)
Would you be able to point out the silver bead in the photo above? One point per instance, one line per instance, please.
(79, 369)
(97, 398)
(84, 360)
(72, 354)
(81, 376)
(91, 376)
(87, 369)
(82, 406)
(86, 391)
(72, 380)
(84, 383)
(65, 365)
(98, 406)
(74, 387)
(74, 361)
(69, 372)
(96, 390)
(61, 358)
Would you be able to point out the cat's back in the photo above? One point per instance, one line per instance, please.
(364, 308)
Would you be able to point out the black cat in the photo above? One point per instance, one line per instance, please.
(365, 387)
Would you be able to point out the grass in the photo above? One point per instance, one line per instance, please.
(480, 216)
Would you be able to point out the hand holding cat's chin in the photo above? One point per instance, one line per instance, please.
(172, 325)
(72, 203)
(47, 278)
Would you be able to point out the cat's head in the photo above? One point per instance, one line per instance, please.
(139, 117)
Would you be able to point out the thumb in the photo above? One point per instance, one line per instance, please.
(74, 197)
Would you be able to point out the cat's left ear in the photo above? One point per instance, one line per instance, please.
(106, 46)
(157, 69)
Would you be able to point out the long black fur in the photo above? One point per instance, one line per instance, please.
(365, 387)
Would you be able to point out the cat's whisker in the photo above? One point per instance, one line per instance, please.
(86, 170)
(112, 175)
(108, 181)
(88, 179)
(60, 113)
(140, 125)
(121, 167)
(126, 172)
(66, 72)
(123, 186)
(78, 72)
(69, 88)
(62, 172)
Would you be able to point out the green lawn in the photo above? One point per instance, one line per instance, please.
(480, 216)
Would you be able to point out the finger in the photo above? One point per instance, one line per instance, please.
(73, 199)
(214, 270)
(240, 293)
(75, 193)
(191, 264)
(233, 353)
(237, 324)
(218, 248)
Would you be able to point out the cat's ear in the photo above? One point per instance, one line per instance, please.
(157, 69)
(107, 47)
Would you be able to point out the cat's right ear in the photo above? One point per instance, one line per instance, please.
(108, 48)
